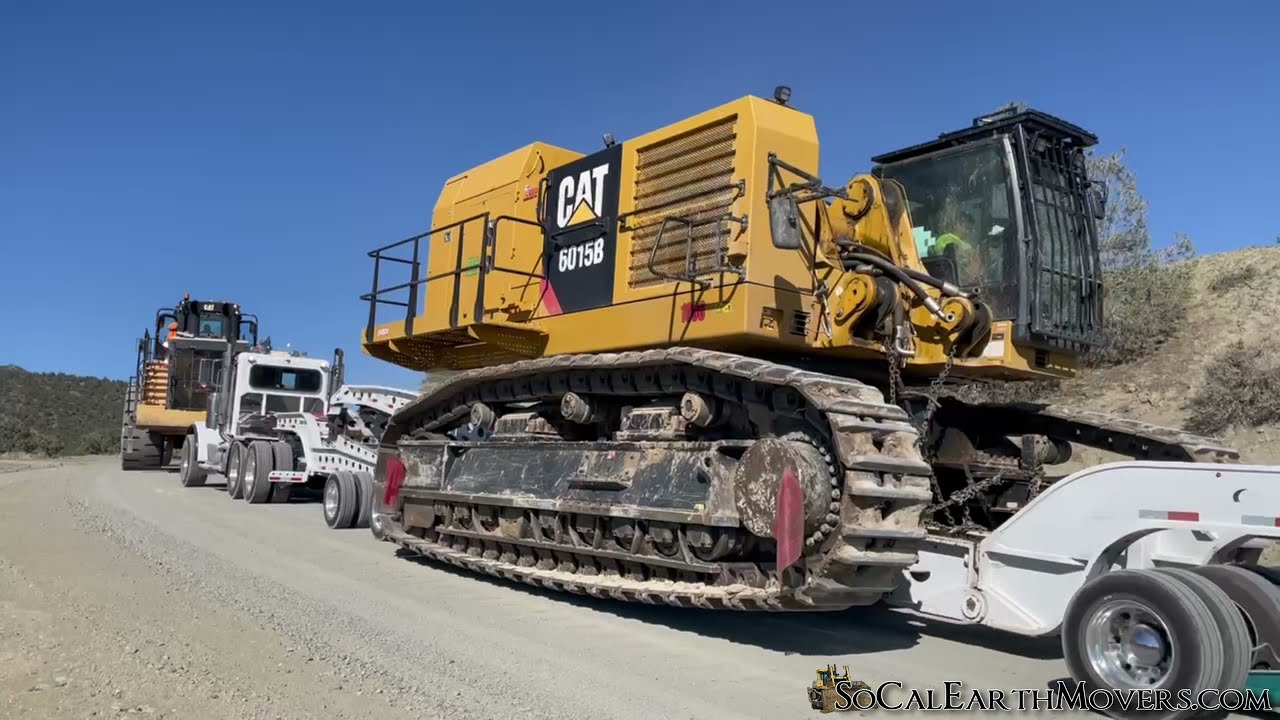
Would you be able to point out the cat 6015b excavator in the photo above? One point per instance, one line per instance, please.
(694, 373)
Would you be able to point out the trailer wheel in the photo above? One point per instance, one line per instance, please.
(190, 473)
(1131, 629)
(1237, 650)
(364, 487)
(1270, 574)
(259, 461)
(340, 500)
(235, 470)
(280, 492)
(1259, 604)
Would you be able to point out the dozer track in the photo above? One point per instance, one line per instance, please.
(671, 499)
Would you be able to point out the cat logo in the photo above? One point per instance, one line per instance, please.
(580, 197)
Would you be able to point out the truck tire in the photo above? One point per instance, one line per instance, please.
(1237, 649)
(190, 474)
(141, 450)
(259, 461)
(1270, 574)
(235, 470)
(1163, 616)
(364, 488)
(281, 492)
(1259, 603)
(340, 500)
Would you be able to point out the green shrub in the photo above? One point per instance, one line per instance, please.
(1233, 277)
(1241, 389)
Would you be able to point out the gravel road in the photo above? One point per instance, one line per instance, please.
(124, 593)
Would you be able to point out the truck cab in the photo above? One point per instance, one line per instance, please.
(271, 383)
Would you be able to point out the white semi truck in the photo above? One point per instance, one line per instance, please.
(281, 421)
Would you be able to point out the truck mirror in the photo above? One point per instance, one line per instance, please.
(211, 410)
(1097, 196)
(784, 222)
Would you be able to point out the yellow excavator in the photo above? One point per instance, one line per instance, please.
(693, 373)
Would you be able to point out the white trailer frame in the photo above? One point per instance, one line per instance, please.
(325, 455)
(1136, 515)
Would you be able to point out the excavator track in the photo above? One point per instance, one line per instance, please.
(664, 513)
(1127, 437)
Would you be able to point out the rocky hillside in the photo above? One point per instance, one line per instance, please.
(56, 414)
(1218, 374)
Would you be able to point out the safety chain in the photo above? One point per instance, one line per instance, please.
(1037, 477)
(934, 388)
(922, 430)
(962, 497)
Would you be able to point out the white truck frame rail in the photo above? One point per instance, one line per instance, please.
(1135, 515)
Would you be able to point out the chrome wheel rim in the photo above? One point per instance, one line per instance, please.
(1128, 645)
(248, 471)
(185, 467)
(233, 469)
(331, 499)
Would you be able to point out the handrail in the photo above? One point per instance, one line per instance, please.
(485, 265)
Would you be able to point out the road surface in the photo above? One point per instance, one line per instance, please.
(124, 593)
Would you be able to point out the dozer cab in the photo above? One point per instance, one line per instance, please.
(694, 373)
(177, 368)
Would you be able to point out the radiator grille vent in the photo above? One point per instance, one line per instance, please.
(689, 176)
(799, 323)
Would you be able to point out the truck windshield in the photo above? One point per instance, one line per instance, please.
(266, 377)
(962, 220)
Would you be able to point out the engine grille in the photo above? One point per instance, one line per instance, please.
(689, 177)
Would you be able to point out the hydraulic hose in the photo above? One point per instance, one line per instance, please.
(947, 288)
(901, 276)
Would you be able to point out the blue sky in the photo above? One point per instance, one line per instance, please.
(256, 151)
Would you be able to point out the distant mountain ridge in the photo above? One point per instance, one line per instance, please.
(57, 414)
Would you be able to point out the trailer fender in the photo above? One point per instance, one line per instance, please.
(207, 440)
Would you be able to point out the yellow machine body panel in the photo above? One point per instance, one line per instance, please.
(160, 419)
(664, 240)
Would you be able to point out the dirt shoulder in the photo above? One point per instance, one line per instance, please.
(88, 629)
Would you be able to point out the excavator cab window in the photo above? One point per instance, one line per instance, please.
(960, 202)
(1012, 197)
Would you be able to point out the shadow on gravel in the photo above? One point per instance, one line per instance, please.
(858, 630)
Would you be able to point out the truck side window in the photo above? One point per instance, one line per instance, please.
(250, 403)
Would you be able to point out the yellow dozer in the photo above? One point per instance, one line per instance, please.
(176, 370)
(693, 373)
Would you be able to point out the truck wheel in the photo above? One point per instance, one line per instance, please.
(364, 491)
(340, 500)
(1124, 629)
(1259, 603)
(258, 461)
(1270, 574)
(280, 492)
(190, 473)
(1237, 650)
(235, 470)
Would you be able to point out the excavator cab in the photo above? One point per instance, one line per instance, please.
(1004, 210)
